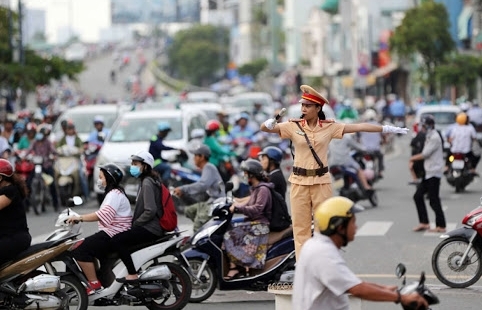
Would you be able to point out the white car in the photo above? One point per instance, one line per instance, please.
(444, 116)
(210, 108)
(83, 116)
(133, 131)
(202, 96)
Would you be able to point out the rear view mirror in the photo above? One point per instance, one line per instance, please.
(400, 270)
(229, 186)
(74, 201)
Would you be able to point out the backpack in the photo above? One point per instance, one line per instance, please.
(168, 220)
(280, 217)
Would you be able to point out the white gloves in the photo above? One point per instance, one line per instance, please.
(270, 123)
(393, 129)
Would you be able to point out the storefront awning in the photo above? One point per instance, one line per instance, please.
(384, 70)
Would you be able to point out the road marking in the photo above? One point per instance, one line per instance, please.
(449, 227)
(374, 228)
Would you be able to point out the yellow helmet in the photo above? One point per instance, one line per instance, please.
(461, 118)
(333, 212)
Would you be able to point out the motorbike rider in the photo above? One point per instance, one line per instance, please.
(225, 128)
(14, 234)
(5, 148)
(156, 147)
(475, 114)
(9, 131)
(246, 242)
(461, 137)
(28, 138)
(322, 277)
(145, 221)
(100, 133)
(114, 216)
(219, 154)
(72, 140)
(372, 141)
(347, 111)
(204, 191)
(43, 147)
(242, 128)
(340, 154)
(270, 158)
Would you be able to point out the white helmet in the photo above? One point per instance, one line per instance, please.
(369, 114)
(144, 157)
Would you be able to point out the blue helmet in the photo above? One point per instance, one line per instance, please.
(273, 153)
(163, 126)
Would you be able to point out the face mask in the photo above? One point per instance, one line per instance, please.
(135, 171)
(100, 184)
(39, 136)
(245, 179)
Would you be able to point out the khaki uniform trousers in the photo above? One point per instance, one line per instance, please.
(304, 199)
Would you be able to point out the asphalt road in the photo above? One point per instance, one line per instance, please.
(384, 236)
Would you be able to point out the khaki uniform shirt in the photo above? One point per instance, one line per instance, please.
(320, 138)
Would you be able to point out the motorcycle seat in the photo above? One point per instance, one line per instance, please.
(142, 245)
(275, 236)
(31, 250)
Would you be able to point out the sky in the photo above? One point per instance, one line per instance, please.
(86, 17)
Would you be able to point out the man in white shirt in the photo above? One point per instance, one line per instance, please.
(462, 135)
(322, 278)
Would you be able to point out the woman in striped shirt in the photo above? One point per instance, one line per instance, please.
(114, 216)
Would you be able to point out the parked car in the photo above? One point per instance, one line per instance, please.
(444, 116)
(83, 116)
(133, 131)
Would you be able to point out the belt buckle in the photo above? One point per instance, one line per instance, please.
(310, 172)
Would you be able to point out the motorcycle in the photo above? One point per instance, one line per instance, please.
(39, 187)
(208, 261)
(369, 163)
(162, 284)
(89, 157)
(352, 187)
(23, 164)
(417, 286)
(458, 174)
(24, 287)
(67, 169)
(457, 260)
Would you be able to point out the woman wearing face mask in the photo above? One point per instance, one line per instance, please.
(114, 216)
(145, 222)
(246, 243)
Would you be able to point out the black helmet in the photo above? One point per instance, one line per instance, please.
(252, 166)
(428, 121)
(114, 172)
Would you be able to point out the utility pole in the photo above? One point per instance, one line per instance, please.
(21, 55)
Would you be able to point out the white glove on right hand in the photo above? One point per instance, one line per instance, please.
(393, 129)
(270, 123)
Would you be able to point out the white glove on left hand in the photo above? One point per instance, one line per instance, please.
(270, 123)
(393, 129)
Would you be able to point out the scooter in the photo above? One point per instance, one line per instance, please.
(209, 263)
(369, 163)
(352, 188)
(23, 164)
(458, 174)
(67, 169)
(164, 282)
(24, 287)
(457, 260)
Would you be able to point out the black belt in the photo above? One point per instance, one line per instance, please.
(310, 172)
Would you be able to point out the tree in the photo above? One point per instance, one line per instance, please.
(35, 70)
(425, 31)
(199, 53)
(460, 71)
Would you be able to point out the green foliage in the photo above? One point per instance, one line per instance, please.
(253, 68)
(198, 53)
(460, 71)
(425, 31)
(35, 70)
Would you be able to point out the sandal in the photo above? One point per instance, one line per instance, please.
(437, 230)
(422, 227)
(232, 276)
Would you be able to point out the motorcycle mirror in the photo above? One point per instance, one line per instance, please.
(74, 201)
(422, 278)
(229, 187)
(400, 270)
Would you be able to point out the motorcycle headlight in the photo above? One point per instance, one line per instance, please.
(471, 221)
(204, 233)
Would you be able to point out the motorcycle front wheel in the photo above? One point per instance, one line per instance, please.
(76, 293)
(179, 287)
(202, 290)
(446, 263)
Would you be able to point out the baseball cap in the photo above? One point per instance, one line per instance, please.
(202, 150)
(143, 157)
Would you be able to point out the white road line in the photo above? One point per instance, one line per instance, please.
(450, 226)
(374, 228)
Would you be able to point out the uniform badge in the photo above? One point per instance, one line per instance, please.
(301, 133)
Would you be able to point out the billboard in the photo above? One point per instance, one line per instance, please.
(155, 11)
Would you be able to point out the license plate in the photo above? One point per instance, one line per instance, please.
(458, 164)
